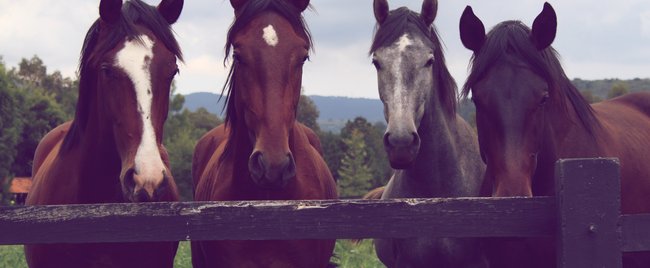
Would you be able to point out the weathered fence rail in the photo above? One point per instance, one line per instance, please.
(259, 220)
(584, 217)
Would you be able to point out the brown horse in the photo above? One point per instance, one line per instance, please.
(112, 151)
(261, 152)
(529, 115)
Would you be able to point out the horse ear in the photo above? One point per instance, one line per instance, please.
(429, 11)
(472, 31)
(381, 10)
(237, 4)
(110, 10)
(171, 10)
(544, 27)
(300, 4)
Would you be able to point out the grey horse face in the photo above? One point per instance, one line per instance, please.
(405, 75)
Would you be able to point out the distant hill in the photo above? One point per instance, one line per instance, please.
(334, 111)
(601, 87)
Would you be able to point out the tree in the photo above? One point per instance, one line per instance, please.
(590, 97)
(10, 126)
(332, 146)
(183, 129)
(618, 89)
(374, 139)
(308, 113)
(355, 175)
(32, 71)
(31, 75)
(40, 114)
(203, 121)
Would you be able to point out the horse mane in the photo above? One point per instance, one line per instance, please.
(513, 38)
(134, 12)
(403, 20)
(248, 12)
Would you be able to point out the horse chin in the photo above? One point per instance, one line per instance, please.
(402, 158)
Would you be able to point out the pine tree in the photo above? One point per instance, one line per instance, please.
(355, 175)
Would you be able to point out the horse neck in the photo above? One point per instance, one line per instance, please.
(563, 136)
(436, 171)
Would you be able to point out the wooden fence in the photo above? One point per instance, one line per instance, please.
(584, 217)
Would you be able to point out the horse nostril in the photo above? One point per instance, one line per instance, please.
(141, 196)
(256, 165)
(401, 140)
(163, 188)
(416, 139)
(129, 181)
(290, 170)
(387, 139)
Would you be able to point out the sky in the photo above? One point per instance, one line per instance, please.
(596, 39)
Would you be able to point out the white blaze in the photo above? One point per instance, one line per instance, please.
(270, 36)
(399, 99)
(404, 42)
(135, 59)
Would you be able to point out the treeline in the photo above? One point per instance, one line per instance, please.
(32, 102)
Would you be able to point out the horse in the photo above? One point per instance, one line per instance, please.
(261, 152)
(433, 150)
(529, 115)
(112, 152)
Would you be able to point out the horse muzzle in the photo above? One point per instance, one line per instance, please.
(139, 189)
(271, 175)
(402, 149)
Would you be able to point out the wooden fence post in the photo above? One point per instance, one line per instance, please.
(589, 203)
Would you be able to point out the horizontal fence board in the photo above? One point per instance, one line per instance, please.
(635, 232)
(264, 220)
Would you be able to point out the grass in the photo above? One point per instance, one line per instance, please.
(351, 255)
(348, 255)
(12, 257)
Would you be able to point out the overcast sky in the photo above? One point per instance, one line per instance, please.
(596, 39)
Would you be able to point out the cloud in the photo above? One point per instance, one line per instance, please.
(604, 40)
(341, 71)
(645, 23)
(52, 31)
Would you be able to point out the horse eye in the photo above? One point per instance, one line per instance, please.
(105, 68)
(176, 72)
(236, 58)
(429, 63)
(544, 98)
(376, 63)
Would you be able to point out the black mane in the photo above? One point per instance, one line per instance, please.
(403, 20)
(134, 12)
(513, 38)
(248, 12)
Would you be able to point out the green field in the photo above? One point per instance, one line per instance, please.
(347, 255)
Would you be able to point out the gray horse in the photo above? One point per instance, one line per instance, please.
(434, 151)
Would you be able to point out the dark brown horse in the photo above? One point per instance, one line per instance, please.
(261, 152)
(112, 151)
(529, 115)
(433, 150)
